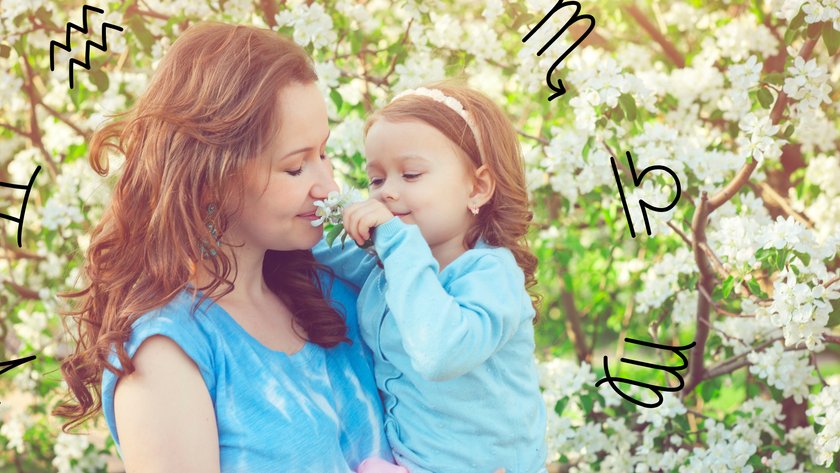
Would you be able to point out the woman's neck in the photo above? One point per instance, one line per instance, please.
(246, 274)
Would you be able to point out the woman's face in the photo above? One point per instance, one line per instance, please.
(284, 182)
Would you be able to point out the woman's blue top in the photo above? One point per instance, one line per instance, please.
(316, 410)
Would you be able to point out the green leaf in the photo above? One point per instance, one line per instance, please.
(522, 20)
(587, 402)
(775, 78)
(336, 97)
(831, 38)
(99, 79)
(355, 42)
(628, 104)
(755, 288)
(765, 98)
(727, 286)
(805, 257)
(798, 20)
(790, 35)
(788, 133)
(834, 316)
(561, 406)
(617, 114)
(138, 27)
(333, 233)
(710, 388)
(588, 147)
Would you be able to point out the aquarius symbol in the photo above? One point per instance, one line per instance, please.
(559, 89)
(636, 181)
(656, 389)
(19, 219)
(84, 29)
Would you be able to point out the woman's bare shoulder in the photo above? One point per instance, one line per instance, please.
(164, 413)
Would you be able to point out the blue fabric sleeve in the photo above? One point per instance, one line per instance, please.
(177, 325)
(447, 334)
(352, 263)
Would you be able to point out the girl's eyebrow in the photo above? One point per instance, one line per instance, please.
(404, 157)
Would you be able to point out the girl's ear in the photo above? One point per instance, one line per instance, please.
(483, 186)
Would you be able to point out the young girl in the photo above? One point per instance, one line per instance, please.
(446, 313)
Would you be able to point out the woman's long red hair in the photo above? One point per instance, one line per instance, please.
(505, 219)
(209, 110)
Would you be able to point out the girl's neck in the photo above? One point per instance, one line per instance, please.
(448, 251)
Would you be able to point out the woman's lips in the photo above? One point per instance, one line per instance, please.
(309, 216)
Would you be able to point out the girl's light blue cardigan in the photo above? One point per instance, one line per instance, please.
(453, 352)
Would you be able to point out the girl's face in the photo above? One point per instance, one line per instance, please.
(421, 176)
(285, 181)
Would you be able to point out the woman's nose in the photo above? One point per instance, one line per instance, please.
(324, 183)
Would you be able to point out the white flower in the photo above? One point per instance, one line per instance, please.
(331, 208)
(825, 413)
(759, 142)
(311, 25)
(788, 371)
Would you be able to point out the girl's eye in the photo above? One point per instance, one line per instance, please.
(375, 182)
(411, 176)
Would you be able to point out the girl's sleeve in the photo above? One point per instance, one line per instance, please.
(447, 334)
(352, 263)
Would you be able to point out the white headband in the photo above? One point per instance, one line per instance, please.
(438, 96)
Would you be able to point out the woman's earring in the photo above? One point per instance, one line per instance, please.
(211, 252)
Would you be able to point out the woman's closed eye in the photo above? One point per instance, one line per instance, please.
(299, 170)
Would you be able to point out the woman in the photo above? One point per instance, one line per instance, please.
(204, 319)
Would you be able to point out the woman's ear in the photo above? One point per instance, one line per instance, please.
(483, 186)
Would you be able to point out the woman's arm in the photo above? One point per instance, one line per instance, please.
(164, 415)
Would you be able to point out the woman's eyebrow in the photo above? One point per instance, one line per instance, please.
(307, 148)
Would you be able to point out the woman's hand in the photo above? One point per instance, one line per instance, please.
(361, 217)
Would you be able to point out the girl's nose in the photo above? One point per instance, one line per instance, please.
(390, 193)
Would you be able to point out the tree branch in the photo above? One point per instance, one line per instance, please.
(667, 47)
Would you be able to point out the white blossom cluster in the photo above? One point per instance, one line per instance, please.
(787, 371)
(725, 451)
(815, 10)
(661, 281)
(330, 210)
(311, 23)
(827, 416)
(822, 172)
(72, 455)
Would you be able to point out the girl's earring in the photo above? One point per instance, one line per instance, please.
(474, 209)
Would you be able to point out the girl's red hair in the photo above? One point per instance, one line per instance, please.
(208, 111)
(505, 219)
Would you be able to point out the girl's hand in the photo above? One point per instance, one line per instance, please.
(359, 218)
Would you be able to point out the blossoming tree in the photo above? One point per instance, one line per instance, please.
(736, 97)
